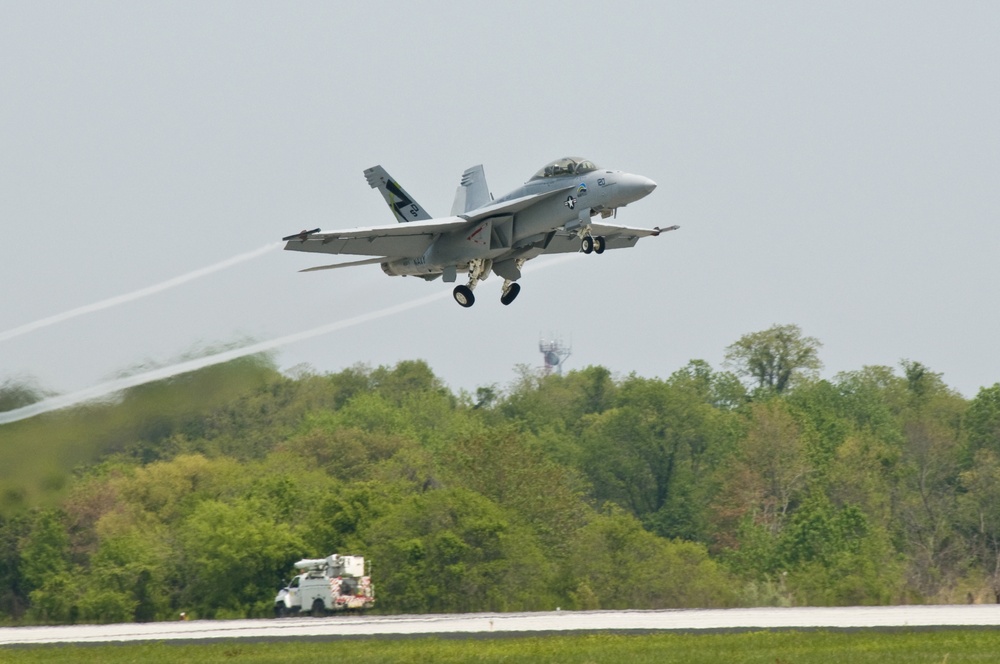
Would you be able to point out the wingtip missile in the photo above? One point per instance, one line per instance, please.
(301, 236)
(659, 230)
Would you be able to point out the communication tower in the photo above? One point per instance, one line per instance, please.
(554, 353)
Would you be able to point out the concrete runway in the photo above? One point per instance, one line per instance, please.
(484, 624)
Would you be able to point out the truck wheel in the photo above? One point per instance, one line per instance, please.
(280, 611)
(319, 609)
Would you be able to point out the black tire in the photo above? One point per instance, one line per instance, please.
(511, 293)
(587, 244)
(599, 244)
(463, 295)
(318, 608)
(280, 611)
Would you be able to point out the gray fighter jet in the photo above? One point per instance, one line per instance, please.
(551, 213)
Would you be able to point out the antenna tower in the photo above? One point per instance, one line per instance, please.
(554, 353)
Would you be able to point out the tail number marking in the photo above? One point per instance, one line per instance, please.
(399, 199)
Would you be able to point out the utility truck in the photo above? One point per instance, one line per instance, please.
(334, 583)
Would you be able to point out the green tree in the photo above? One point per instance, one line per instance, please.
(982, 420)
(864, 472)
(13, 593)
(406, 379)
(56, 600)
(233, 557)
(128, 575)
(171, 490)
(454, 550)
(927, 508)
(720, 389)
(921, 381)
(651, 454)
(872, 399)
(616, 564)
(46, 570)
(499, 464)
(835, 556)
(45, 551)
(776, 358)
(541, 402)
(767, 474)
(979, 506)
(334, 520)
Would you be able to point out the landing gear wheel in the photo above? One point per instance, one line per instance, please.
(511, 293)
(318, 608)
(599, 244)
(587, 244)
(463, 295)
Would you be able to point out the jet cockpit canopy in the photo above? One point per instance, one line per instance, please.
(565, 166)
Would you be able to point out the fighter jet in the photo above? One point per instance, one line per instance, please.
(553, 212)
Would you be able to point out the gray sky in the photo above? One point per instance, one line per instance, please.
(836, 167)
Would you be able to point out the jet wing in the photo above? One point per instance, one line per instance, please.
(615, 237)
(408, 240)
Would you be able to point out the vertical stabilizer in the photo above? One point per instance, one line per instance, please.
(401, 203)
(473, 193)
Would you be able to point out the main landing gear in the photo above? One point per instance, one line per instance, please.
(510, 291)
(591, 244)
(478, 270)
(463, 295)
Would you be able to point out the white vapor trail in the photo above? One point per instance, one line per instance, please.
(135, 295)
(110, 387)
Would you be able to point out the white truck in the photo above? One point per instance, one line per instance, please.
(334, 583)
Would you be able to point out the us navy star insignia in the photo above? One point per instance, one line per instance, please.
(570, 202)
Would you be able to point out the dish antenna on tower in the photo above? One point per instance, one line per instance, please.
(554, 353)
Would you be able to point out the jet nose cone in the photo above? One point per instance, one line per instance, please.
(635, 187)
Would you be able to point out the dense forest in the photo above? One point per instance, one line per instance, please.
(756, 483)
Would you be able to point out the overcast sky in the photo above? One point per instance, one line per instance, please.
(836, 167)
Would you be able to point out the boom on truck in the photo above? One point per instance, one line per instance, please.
(334, 583)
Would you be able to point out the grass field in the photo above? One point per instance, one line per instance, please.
(946, 646)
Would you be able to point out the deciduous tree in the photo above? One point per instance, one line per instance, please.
(775, 358)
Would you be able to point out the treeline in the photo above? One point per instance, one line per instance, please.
(760, 484)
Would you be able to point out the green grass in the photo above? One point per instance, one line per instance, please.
(949, 646)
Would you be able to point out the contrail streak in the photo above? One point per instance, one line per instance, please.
(135, 295)
(110, 387)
